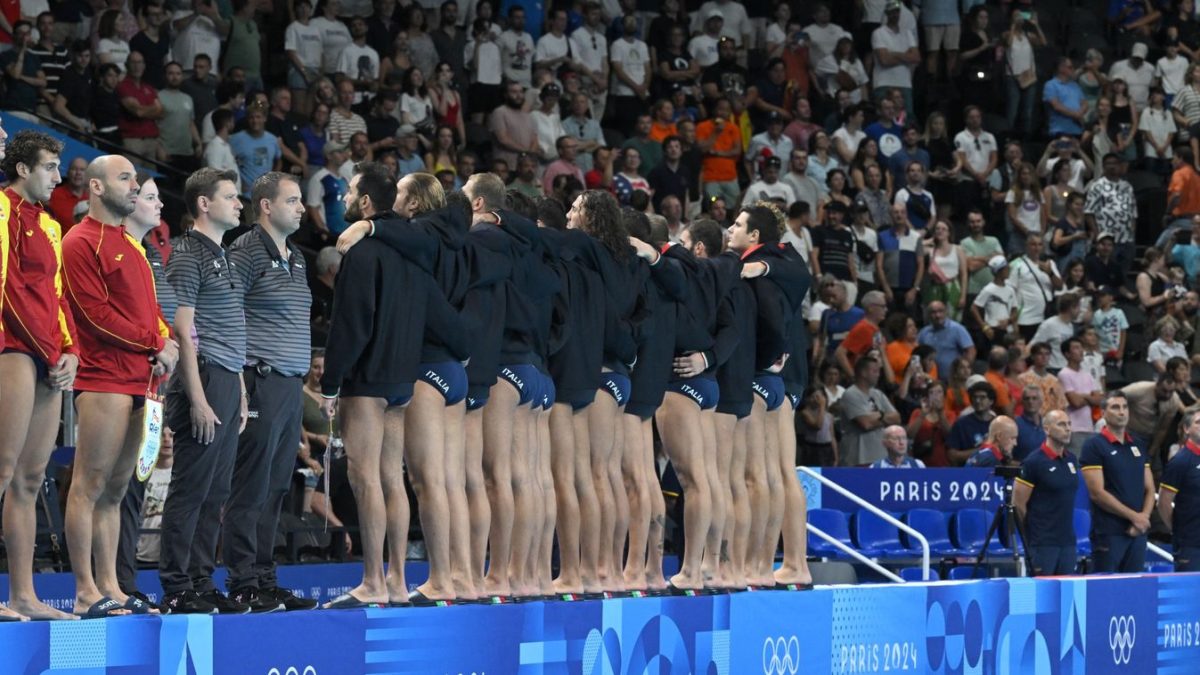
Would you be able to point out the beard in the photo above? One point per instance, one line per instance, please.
(515, 105)
(353, 213)
(117, 207)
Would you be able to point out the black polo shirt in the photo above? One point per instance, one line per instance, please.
(277, 303)
(1124, 465)
(666, 182)
(288, 131)
(1050, 514)
(203, 279)
(1181, 475)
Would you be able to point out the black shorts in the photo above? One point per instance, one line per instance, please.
(394, 394)
(138, 401)
(615, 385)
(703, 390)
(770, 389)
(526, 379)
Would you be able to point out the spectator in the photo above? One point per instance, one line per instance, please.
(1154, 286)
(526, 180)
(823, 35)
(1025, 214)
(1056, 330)
(917, 202)
(631, 69)
(1038, 375)
(1083, 393)
(1111, 325)
(1137, 73)
(735, 25)
(770, 143)
(360, 151)
(848, 135)
(198, 31)
(585, 130)
(980, 250)
(358, 62)
(67, 194)
(895, 442)
(948, 270)
(1035, 281)
(591, 47)
(840, 70)
(1121, 489)
(1030, 429)
(112, 48)
(106, 108)
(443, 156)
(1103, 269)
(516, 48)
(662, 121)
(1023, 34)
(1111, 207)
(1092, 79)
(804, 186)
(929, 427)
(817, 441)
(1070, 238)
(202, 87)
(721, 141)
(54, 57)
(1065, 149)
(997, 364)
(837, 321)
(513, 130)
(970, 430)
(423, 52)
(302, 43)
(565, 164)
(1158, 133)
(995, 309)
(243, 43)
(180, 139)
(941, 26)
(896, 56)
(218, 154)
(1068, 109)
(1165, 347)
(671, 177)
(978, 56)
(909, 152)
(821, 161)
(257, 150)
(648, 149)
(865, 337)
(768, 186)
(1152, 406)
(900, 267)
(1183, 196)
(73, 103)
(548, 123)
(1093, 360)
(325, 196)
(726, 77)
(140, 111)
(554, 47)
(865, 411)
(998, 448)
(23, 74)
(885, 132)
(629, 180)
(873, 197)
(947, 337)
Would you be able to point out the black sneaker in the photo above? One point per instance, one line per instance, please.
(186, 602)
(224, 605)
(258, 601)
(290, 601)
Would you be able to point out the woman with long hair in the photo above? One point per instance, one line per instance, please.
(1024, 213)
(1154, 287)
(977, 56)
(840, 65)
(112, 48)
(420, 45)
(1092, 80)
(447, 103)
(393, 66)
(313, 136)
(1021, 79)
(837, 184)
(945, 167)
(322, 91)
(868, 155)
(850, 135)
(443, 156)
(1054, 195)
(957, 398)
(416, 108)
(821, 157)
(1123, 120)
(947, 272)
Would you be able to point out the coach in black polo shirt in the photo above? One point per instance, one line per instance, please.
(1179, 498)
(277, 302)
(1044, 497)
(1116, 469)
(206, 404)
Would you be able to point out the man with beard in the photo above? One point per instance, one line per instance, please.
(513, 129)
(206, 400)
(39, 360)
(277, 302)
(725, 78)
(126, 345)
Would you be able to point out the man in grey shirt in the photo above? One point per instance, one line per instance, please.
(177, 128)
(806, 189)
(866, 412)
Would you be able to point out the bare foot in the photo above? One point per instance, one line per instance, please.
(7, 614)
(493, 587)
(790, 575)
(694, 583)
(37, 610)
(562, 586)
(656, 582)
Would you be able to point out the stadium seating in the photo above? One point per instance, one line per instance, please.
(914, 574)
(968, 572)
(932, 525)
(831, 522)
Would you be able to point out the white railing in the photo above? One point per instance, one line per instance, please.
(1160, 552)
(855, 554)
(877, 511)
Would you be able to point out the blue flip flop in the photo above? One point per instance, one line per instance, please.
(102, 609)
(137, 605)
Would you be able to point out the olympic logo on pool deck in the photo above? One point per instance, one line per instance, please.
(1122, 633)
(781, 656)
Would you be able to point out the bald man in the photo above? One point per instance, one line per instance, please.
(126, 346)
(997, 449)
(1044, 497)
(895, 441)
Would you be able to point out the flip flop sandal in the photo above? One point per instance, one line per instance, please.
(137, 605)
(792, 587)
(418, 599)
(102, 609)
(14, 617)
(347, 601)
(674, 590)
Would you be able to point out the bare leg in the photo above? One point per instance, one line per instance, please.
(477, 498)
(549, 503)
(524, 505)
(102, 429)
(498, 417)
(425, 456)
(456, 493)
(795, 513)
(637, 486)
(716, 550)
(739, 517)
(679, 424)
(390, 467)
(757, 489)
(108, 514)
(658, 514)
(30, 417)
(362, 429)
(766, 563)
(589, 505)
(562, 465)
(602, 415)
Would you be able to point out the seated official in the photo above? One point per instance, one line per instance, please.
(895, 441)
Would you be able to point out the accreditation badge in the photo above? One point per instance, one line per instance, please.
(151, 443)
(1071, 467)
(1135, 451)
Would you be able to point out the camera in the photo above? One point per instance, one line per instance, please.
(1007, 472)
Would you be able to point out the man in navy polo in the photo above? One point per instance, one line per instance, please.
(1030, 434)
(1044, 497)
(1179, 495)
(997, 449)
(1116, 469)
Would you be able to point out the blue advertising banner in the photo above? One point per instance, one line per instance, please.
(1114, 624)
(901, 490)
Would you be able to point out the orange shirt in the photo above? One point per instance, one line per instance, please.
(659, 132)
(1185, 182)
(863, 336)
(898, 354)
(729, 139)
(1000, 384)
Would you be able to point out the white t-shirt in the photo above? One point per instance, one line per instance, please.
(868, 238)
(761, 190)
(851, 141)
(1054, 332)
(488, 70)
(590, 48)
(1161, 351)
(996, 302)
(803, 245)
(551, 46)
(899, 75)
(306, 42)
(632, 57)
(830, 66)
(703, 48)
(334, 38)
(117, 52)
(977, 156)
(1172, 72)
(218, 155)
(417, 107)
(1077, 169)
(358, 63)
(736, 24)
(1034, 290)
(1138, 79)
(1020, 55)
(200, 37)
(822, 41)
(1158, 124)
(1029, 211)
(549, 130)
(516, 56)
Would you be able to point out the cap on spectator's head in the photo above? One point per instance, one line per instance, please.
(1139, 51)
(336, 146)
(892, 6)
(550, 90)
(997, 263)
(714, 13)
(1105, 235)
(974, 380)
(773, 162)
(774, 117)
(1106, 290)
(833, 205)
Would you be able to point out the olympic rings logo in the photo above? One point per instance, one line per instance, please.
(1122, 633)
(781, 656)
(293, 670)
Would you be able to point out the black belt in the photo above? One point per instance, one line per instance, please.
(264, 370)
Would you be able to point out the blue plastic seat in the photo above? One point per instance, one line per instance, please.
(877, 537)
(1083, 528)
(914, 574)
(932, 525)
(831, 522)
(968, 571)
(970, 527)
